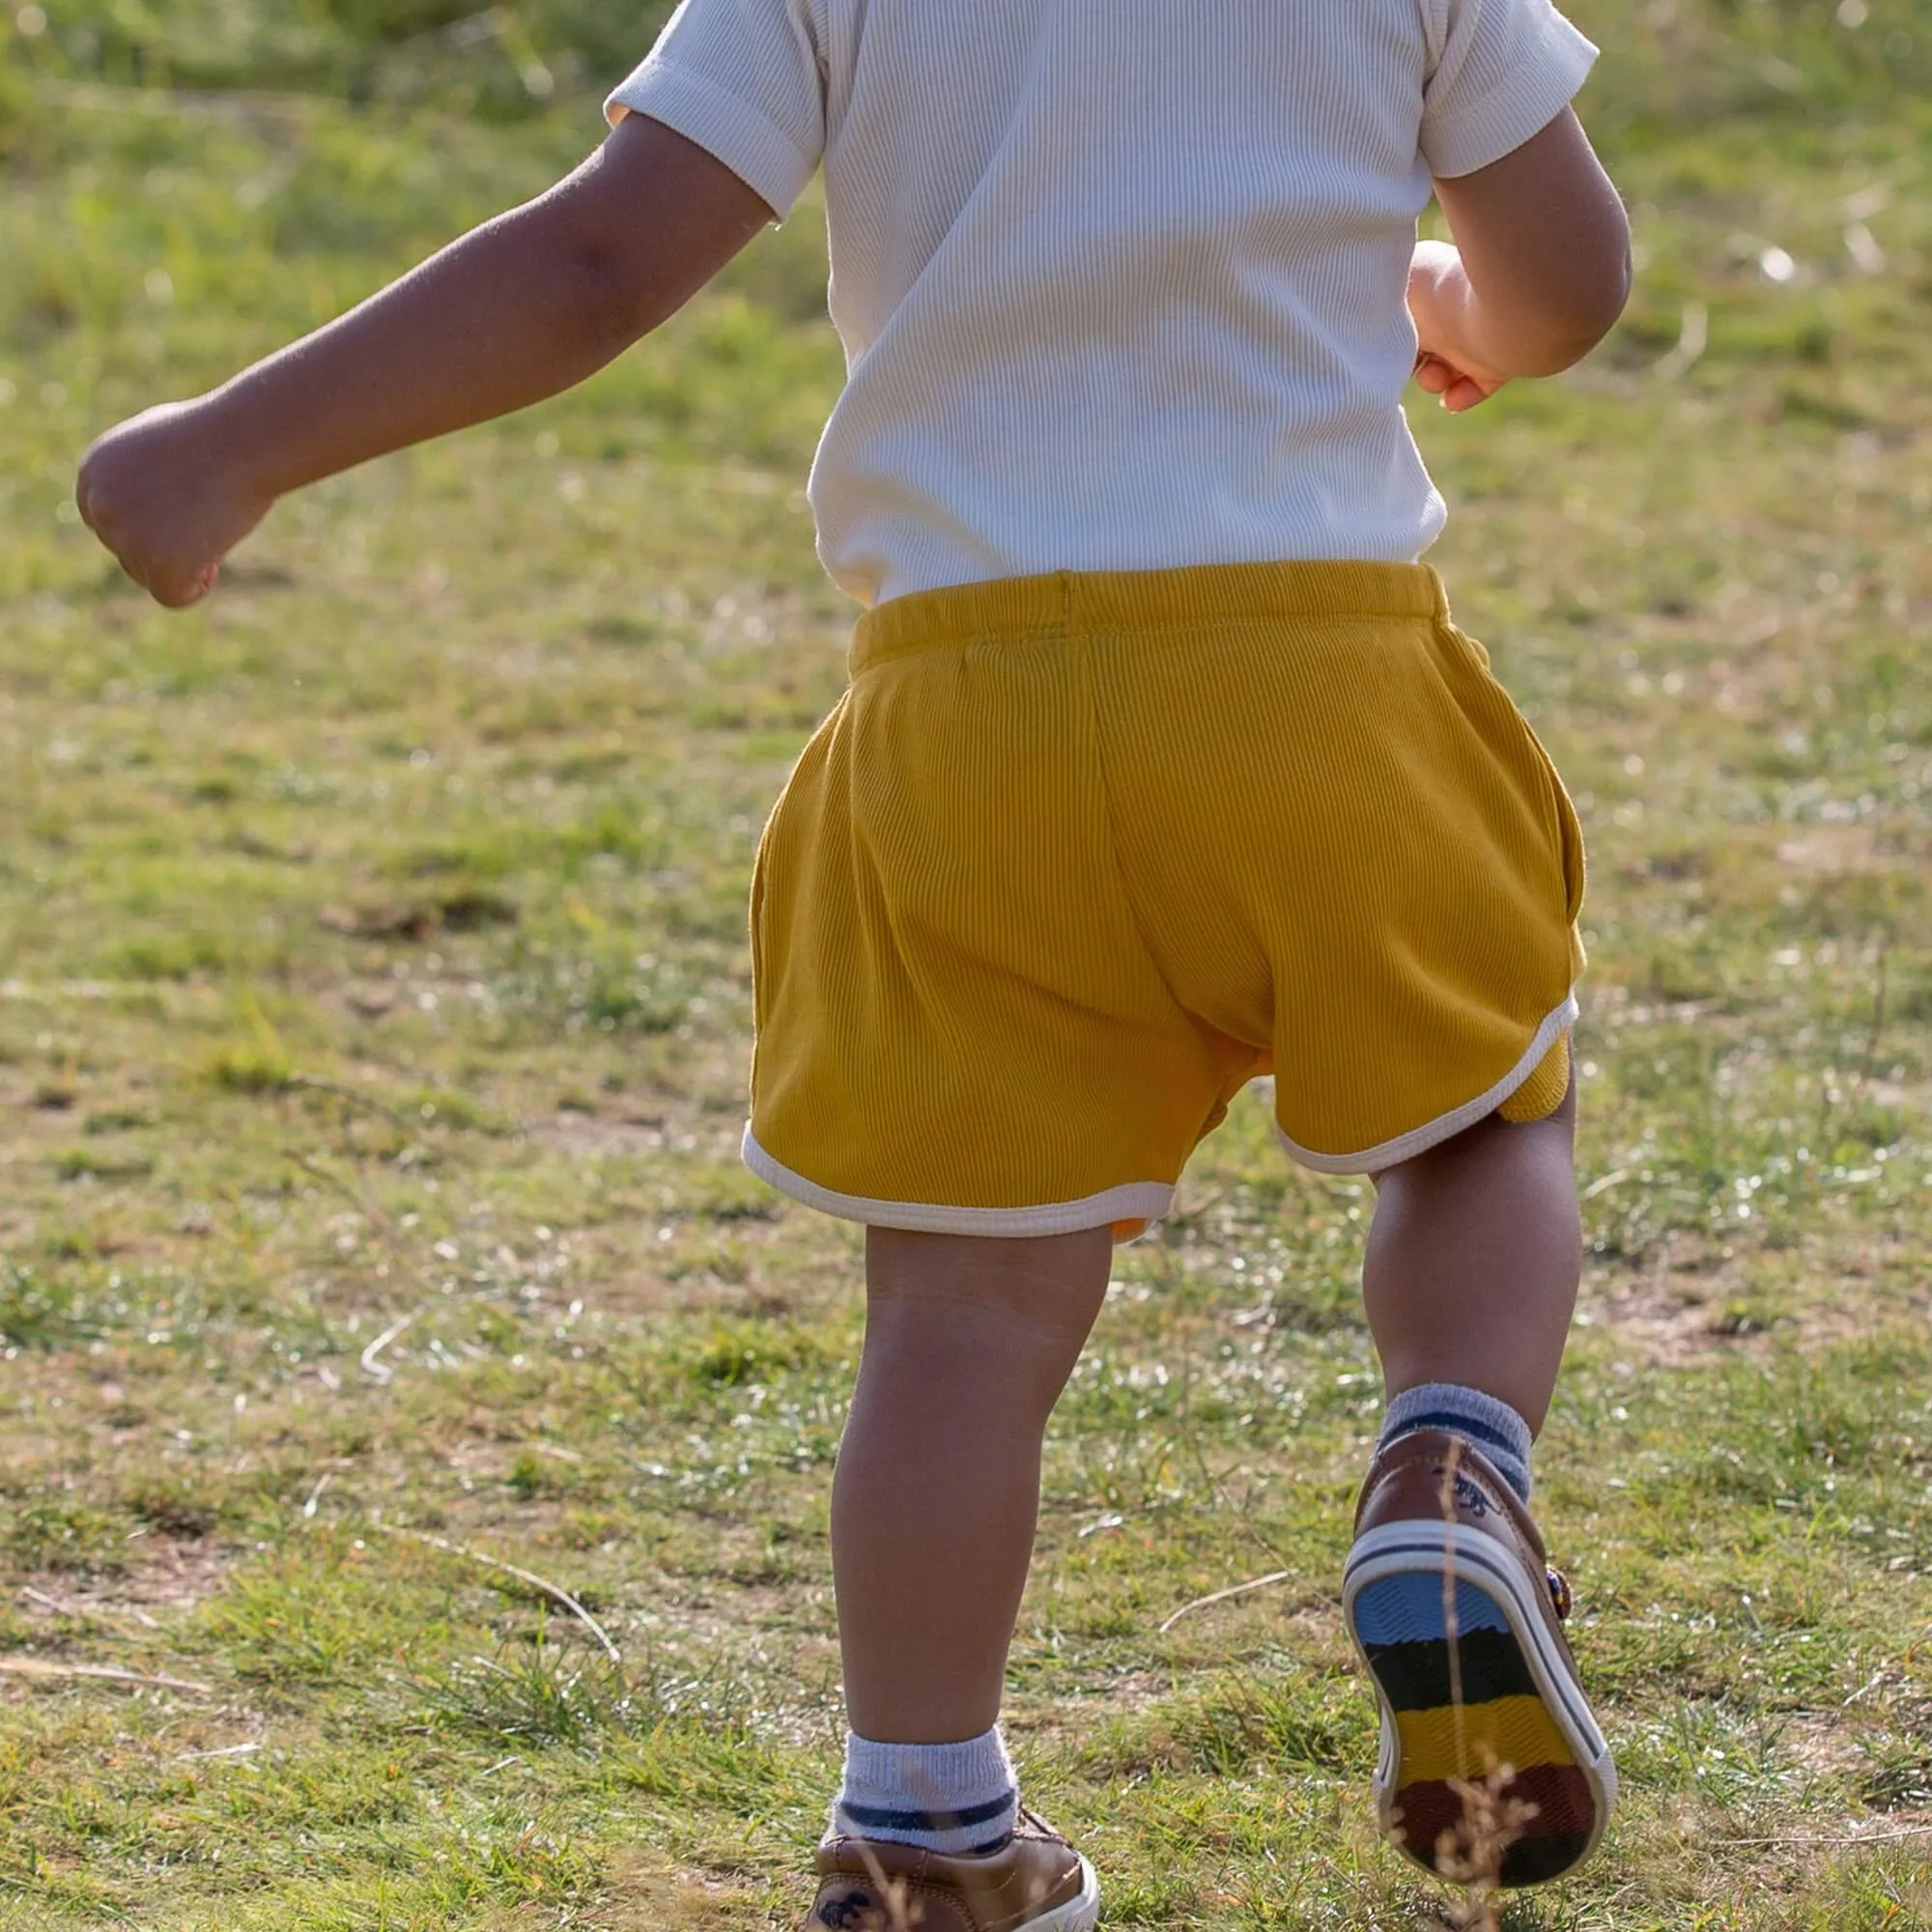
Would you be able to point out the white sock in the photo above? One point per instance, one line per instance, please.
(957, 1799)
(1491, 1425)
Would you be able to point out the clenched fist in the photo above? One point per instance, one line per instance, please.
(166, 495)
(1448, 363)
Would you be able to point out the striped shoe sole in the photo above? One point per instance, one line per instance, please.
(1455, 1709)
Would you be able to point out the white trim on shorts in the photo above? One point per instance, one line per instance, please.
(1145, 1200)
(1135, 1200)
(1445, 1127)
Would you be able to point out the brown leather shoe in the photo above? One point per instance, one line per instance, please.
(1491, 1769)
(1037, 1883)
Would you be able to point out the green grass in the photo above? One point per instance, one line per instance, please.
(373, 1017)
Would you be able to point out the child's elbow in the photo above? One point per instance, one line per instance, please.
(1609, 291)
(1586, 305)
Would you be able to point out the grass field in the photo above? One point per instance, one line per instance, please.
(373, 1017)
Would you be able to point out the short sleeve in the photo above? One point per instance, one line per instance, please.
(1502, 71)
(740, 78)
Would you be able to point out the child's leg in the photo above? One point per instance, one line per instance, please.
(968, 1343)
(1491, 1765)
(1473, 1261)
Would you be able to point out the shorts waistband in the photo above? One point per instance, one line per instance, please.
(1123, 602)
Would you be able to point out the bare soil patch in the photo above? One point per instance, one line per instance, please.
(164, 1578)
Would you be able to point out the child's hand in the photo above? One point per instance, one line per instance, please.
(163, 495)
(1438, 301)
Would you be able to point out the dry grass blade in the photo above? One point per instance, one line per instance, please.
(100, 1674)
(1452, 1626)
(316, 1083)
(1694, 338)
(369, 1365)
(891, 1892)
(1490, 1822)
(81, 1613)
(1222, 1596)
(554, 1591)
(1841, 1843)
(336, 1185)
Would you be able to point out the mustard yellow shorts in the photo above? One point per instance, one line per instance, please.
(1077, 856)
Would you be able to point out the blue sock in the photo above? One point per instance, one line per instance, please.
(1482, 1422)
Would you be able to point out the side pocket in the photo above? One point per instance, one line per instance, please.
(1565, 831)
(773, 892)
(1569, 831)
(760, 994)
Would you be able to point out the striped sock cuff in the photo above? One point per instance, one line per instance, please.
(1492, 1426)
(957, 1799)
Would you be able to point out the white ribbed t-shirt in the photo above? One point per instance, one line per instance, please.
(1121, 282)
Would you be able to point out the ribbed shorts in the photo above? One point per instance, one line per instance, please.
(1075, 857)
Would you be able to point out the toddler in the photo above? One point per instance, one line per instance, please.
(1162, 766)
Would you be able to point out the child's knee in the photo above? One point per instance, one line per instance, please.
(1047, 1287)
(1495, 1146)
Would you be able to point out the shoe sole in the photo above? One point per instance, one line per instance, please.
(1518, 1706)
(1077, 1915)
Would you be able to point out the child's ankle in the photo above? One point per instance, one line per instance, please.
(1489, 1426)
(959, 1799)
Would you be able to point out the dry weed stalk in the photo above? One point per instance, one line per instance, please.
(1473, 1859)
(1473, 1856)
(541, 1584)
(891, 1892)
(903, 1914)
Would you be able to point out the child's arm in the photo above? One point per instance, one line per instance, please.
(1540, 270)
(517, 309)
